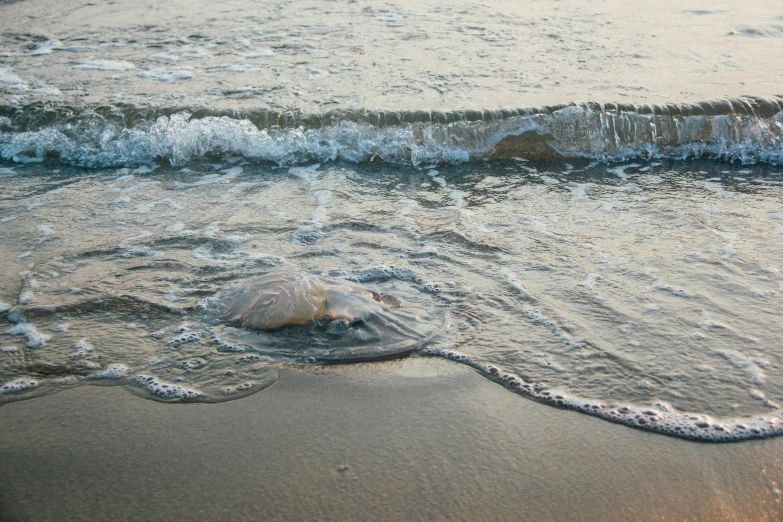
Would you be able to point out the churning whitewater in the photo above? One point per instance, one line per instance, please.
(747, 130)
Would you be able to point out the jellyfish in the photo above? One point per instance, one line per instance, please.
(327, 320)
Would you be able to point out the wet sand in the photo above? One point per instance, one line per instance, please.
(419, 439)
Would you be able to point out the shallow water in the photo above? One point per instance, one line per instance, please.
(404, 54)
(641, 285)
(619, 257)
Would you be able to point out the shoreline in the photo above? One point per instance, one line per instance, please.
(417, 439)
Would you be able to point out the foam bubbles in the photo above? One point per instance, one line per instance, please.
(9, 79)
(81, 349)
(175, 227)
(105, 65)
(46, 47)
(111, 372)
(35, 339)
(244, 387)
(187, 337)
(67, 380)
(308, 235)
(377, 273)
(227, 346)
(193, 364)
(750, 367)
(167, 75)
(138, 252)
(164, 390)
(660, 417)
(18, 385)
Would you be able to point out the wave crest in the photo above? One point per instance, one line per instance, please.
(748, 130)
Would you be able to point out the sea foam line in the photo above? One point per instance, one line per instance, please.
(659, 418)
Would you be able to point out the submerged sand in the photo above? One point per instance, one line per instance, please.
(418, 439)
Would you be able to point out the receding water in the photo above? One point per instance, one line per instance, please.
(646, 293)
(434, 165)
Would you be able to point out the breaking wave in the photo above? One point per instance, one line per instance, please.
(747, 130)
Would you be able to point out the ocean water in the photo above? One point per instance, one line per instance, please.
(621, 257)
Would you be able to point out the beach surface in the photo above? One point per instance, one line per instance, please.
(418, 439)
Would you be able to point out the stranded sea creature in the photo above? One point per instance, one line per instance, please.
(327, 320)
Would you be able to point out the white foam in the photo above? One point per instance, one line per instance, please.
(178, 138)
(145, 169)
(232, 390)
(69, 379)
(46, 47)
(679, 292)
(193, 364)
(714, 187)
(46, 230)
(183, 52)
(307, 174)
(18, 385)
(166, 390)
(742, 362)
(579, 191)
(377, 273)
(9, 79)
(659, 417)
(112, 372)
(241, 68)
(46, 90)
(105, 65)
(35, 339)
(620, 171)
(515, 283)
(705, 323)
(139, 252)
(145, 208)
(211, 179)
(590, 281)
(179, 226)
(258, 52)
(307, 235)
(187, 337)
(167, 75)
(81, 349)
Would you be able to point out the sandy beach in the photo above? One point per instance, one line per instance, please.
(418, 439)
